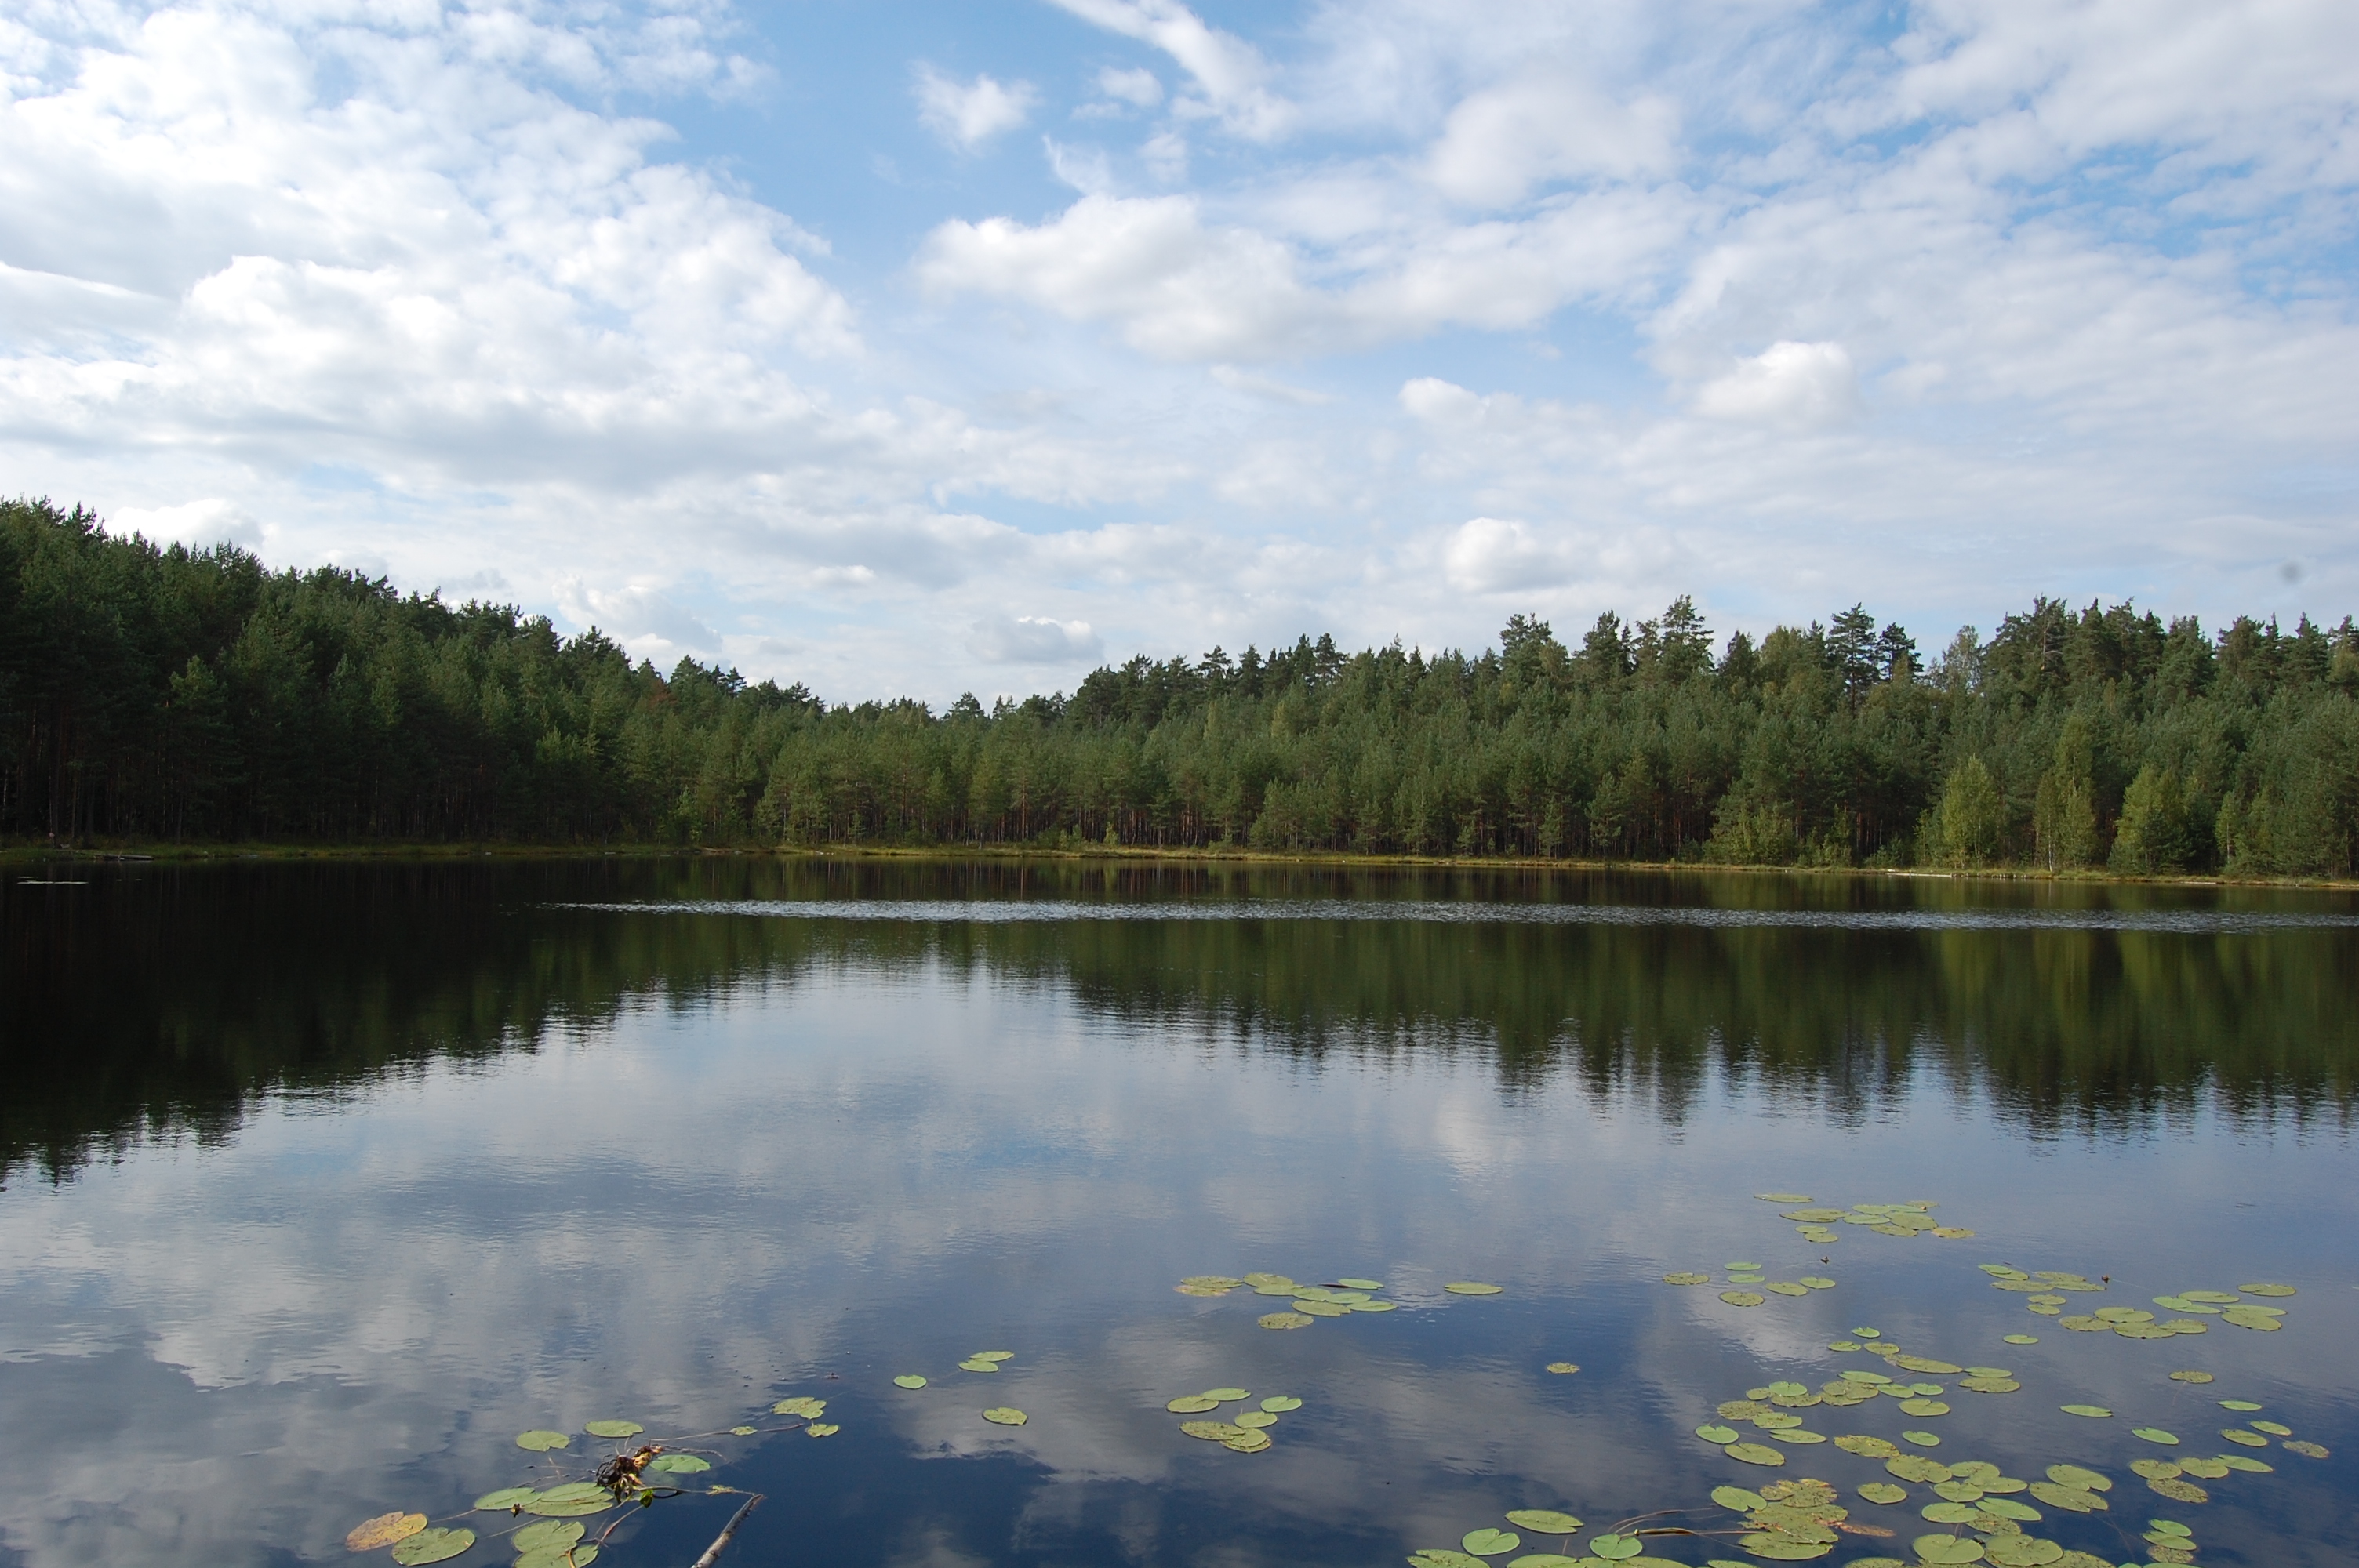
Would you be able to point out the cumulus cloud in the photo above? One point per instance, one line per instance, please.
(1488, 555)
(1501, 141)
(1798, 385)
(196, 523)
(967, 115)
(1034, 640)
(1229, 73)
(1138, 88)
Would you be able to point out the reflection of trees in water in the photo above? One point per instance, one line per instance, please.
(166, 1001)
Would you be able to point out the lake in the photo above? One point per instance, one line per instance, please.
(326, 1182)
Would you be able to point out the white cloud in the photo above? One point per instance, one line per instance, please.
(1139, 88)
(1487, 554)
(1229, 71)
(1544, 126)
(1034, 640)
(196, 523)
(967, 115)
(1796, 385)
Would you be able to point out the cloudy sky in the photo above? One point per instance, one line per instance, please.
(925, 346)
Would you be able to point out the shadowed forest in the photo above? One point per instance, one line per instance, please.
(151, 694)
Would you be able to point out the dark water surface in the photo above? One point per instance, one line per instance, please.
(320, 1183)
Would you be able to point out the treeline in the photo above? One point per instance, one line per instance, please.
(166, 694)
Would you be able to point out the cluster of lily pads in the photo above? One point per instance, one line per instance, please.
(1606, 1547)
(1747, 1274)
(1903, 1219)
(1309, 1302)
(1246, 1433)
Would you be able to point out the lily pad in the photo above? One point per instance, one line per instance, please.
(1545, 1560)
(1443, 1557)
(1564, 1368)
(2094, 1412)
(2155, 1434)
(802, 1405)
(1213, 1430)
(2179, 1491)
(1916, 1467)
(2240, 1405)
(977, 1364)
(1783, 1197)
(1734, 1497)
(1924, 1407)
(1375, 1306)
(432, 1546)
(1743, 1298)
(2247, 1464)
(2155, 1469)
(1950, 1513)
(1490, 1543)
(384, 1530)
(1883, 1492)
(1322, 1309)
(2205, 1469)
(1722, 1435)
(1779, 1547)
(555, 1534)
(2021, 1338)
(2071, 1499)
(2189, 1375)
(1253, 1419)
(1192, 1404)
(1004, 1415)
(2273, 1428)
(2008, 1508)
(1472, 1288)
(1285, 1320)
(1549, 1521)
(2077, 1476)
(1362, 1285)
(2268, 1289)
(1922, 1439)
(1251, 1443)
(1615, 1548)
(994, 1355)
(507, 1497)
(2306, 1448)
(1818, 1281)
(1787, 1288)
(679, 1464)
(2248, 1439)
(1754, 1453)
(1687, 1279)
(1948, 1551)
(1213, 1281)
(1867, 1447)
(741, 1431)
(1279, 1404)
(1222, 1396)
(540, 1441)
(559, 1557)
(908, 1380)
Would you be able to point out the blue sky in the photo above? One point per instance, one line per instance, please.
(922, 348)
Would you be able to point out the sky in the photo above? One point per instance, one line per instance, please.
(927, 347)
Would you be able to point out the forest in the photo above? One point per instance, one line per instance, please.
(153, 695)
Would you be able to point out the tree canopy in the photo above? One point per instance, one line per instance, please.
(150, 693)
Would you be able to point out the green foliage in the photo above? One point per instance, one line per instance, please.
(169, 693)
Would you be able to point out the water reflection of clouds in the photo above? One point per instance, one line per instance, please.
(880, 1169)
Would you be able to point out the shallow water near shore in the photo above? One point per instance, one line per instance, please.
(323, 1182)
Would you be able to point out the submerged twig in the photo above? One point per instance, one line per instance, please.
(713, 1553)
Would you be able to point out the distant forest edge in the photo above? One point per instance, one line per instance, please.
(154, 694)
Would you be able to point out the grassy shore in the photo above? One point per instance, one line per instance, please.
(380, 850)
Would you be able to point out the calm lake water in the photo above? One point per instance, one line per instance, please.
(322, 1183)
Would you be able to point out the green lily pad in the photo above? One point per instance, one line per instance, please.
(1222, 1396)
(1322, 1309)
(1212, 1281)
(1922, 1439)
(1787, 1288)
(1285, 1320)
(2094, 1412)
(1251, 1443)
(977, 1364)
(1746, 1268)
(1867, 1334)
(507, 1498)
(556, 1534)
(1779, 1548)
(1743, 1298)
(1006, 1415)
(2071, 1499)
(679, 1464)
(559, 1557)
(2155, 1434)
(2245, 1462)
(573, 1504)
(821, 1429)
(1916, 1467)
(540, 1441)
(1544, 1560)
(1472, 1288)
(1564, 1368)
(908, 1380)
(1818, 1281)
(2205, 1469)
(1783, 1197)
(2268, 1289)
(1738, 1499)
(2273, 1428)
(1883, 1492)
(1213, 1430)
(1192, 1404)
(1279, 1404)
(1687, 1279)
(2078, 1475)
(1253, 1418)
(1490, 1543)
(432, 1546)
(2008, 1508)
(1615, 1548)
(802, 1405)
(1443, 1557)
(1375, 1306)
(1543, 1522)
(612, 1428)
(2020, 1339)
(1721, 1435)
(741, 1431)
(1754, 1453)
(1924, 1407)
(2248, 1439)
(1950, 1513)
(1362, 1285)
(994, 1355)
(1948, 1551)
(2240, 1405)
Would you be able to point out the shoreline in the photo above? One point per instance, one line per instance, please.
(140, 853)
